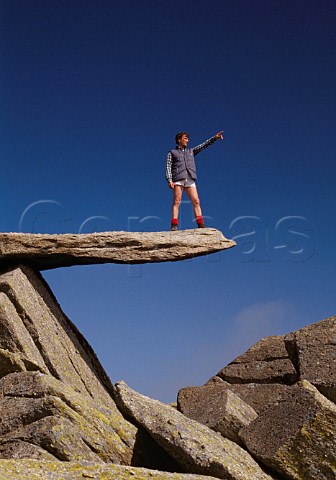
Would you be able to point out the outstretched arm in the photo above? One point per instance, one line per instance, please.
(207, 143)
(169, 170)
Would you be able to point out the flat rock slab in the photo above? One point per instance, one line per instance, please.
(45, 470)
(46, 251)
(297, 436)
(197, 448)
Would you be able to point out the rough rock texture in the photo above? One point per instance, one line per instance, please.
(40, 347)
(297, 436)
(46, 470)
(42, 418)
(313, 351)
(43, 251)
(257, 395)
(216, 407)
(197, 448)
(43, 412)
(35, 330)
(265, 362)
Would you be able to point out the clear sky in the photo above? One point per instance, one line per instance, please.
(92, 95)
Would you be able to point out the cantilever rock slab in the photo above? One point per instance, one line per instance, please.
(46, 251)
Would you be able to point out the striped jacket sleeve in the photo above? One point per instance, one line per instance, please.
(169, 161)
(204, 145)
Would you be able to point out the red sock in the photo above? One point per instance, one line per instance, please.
(174, 221)
(199, 220)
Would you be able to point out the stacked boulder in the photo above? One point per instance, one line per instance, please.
(277, 401)
(269, 414)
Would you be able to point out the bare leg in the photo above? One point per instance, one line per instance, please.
(178, 190)
(193, 195)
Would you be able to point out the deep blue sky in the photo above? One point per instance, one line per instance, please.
(92, 94)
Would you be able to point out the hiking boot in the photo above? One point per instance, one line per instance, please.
(173, 227)
(201, 225)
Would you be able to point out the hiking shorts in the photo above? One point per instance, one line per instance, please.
(188, 182)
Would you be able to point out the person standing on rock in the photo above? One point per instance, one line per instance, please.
(181, 174)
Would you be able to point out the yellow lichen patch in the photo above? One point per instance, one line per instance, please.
(44, 470)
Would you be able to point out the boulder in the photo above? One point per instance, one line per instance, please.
(313, 350)
(47, 470)
(36, 409)
(296, 436)
(265, 362)
(197, 448)
(217, 407)
(45, 251)
(43, 418)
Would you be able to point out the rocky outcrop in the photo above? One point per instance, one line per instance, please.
(56, 401)
(269, 414)
(197, 448)
(296, 436)
(294, 432)
(307, 354)
(44, 251)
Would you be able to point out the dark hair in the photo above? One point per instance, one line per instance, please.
(179, 135)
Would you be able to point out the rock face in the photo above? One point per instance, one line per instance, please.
(46, 419)
(37, 335)
(197, 448)
(43, 251)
